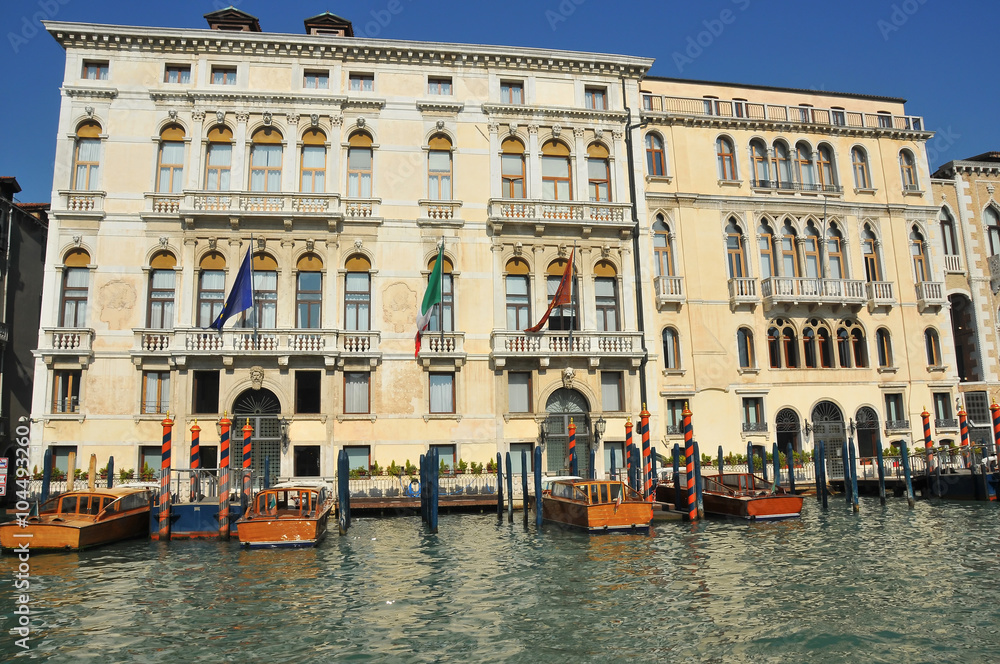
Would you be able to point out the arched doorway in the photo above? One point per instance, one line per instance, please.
(866, 420)
(828, 426)
(786, 427)
(561, 406)
(963, 327)
(260, 408)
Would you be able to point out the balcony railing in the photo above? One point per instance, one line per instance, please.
(243, 202)
(897, 425)
(87, 202)
(502, 210)
(743, 290)
(946, 423)
(930, 295)
(184, 341)
(68, 340)
(755, 427)
(953, 264)
(358, 343)
(756, 111)
(450, 343)
(361, 208)
(669, 290)
(794, 290)
(439, 210)
(879, 294)
(595, 346)
(797, 186)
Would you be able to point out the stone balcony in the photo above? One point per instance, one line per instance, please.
(195, 205)
(437, 348)
(669, 292)
(538, 215)
(930, 295)
(440, 213)
(542, 347)
(743, 291)
(67, 345)
(953, 264)
(880, 295)
(813, 292)
(89, 204)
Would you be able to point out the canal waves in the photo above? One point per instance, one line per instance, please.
(890, 585)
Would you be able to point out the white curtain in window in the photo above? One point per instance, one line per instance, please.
(359, 176)
(211, 280)
(441, 393)
(219, 159)
(439, 165)
(314, 160)
(611, 391)
(89, 151)
(265, 157)
(171, 153)
(265, 285)
(356, 393)
(516, 467)
(519, 392)
(163, 305)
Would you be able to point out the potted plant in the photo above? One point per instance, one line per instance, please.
(58, 475)
(477, 468)
(491, 466)
(375, 469)
(394, 470)
(103, 473)
(147, 474)
(78, 474)
(36, 474)
(410, 470)
(443, 468)
(126, 475)
(462, 467)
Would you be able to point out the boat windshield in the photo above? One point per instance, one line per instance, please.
(568, 491)
(295, 502)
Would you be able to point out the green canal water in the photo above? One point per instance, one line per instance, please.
(888, 585)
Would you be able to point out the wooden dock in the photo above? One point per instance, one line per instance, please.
(411, 504)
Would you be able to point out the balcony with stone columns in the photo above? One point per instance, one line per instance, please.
(535, 217)
(442, 349)
(595, 347)
(669, 292)
(930, 296)
(195, 206)
(67, 345)
(175, 345)
(80, 203)
(880, 295)
(813, 292)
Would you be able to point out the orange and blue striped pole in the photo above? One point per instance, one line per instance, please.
(247, 432)
(689, 458)
(628, 449)
(195, 459)
(995, 412)
(164, 530)
(963, 423)
(572, 448)
(928, 444)
(647, 468)
(224, 478)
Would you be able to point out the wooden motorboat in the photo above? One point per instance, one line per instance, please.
(596, 505)
(289, 515)
(82, 519)
(746, 496)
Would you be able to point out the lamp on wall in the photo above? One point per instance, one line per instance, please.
(283, 429)
(807, 428)
(543, 430)
(851, 427)
(600, 426)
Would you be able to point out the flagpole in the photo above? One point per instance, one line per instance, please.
(253, 292)
(441, 304)
(572, 269)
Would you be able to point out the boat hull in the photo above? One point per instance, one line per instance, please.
(628, 516)
(754, 508)
(72, 534)
(283, 531)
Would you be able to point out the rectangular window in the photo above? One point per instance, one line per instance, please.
(218, 162)
(316, 80)
(66, 391)
(149, 458)
(611, 391)
(361, 82)
(614, 450)
(60, 457)
(357, 300)
(516, 467)
(359, 457)
(161, 299)
(675, 416)
(942, 405)
(447, 305)
(442, 392)
(223, 75)
(177, 74)
(95, 70)
(357, 392)
(439, 175)
(446, 455)
(439, 86)
(894, 408)
(518, 305)
(74, 305)
(519, 392)
(606, 300)
(205, 392)
(312, 176)
(307, 391)
(511, 92)
(209, 456)
(596, 98)
(155, 392)
(977, 406)
(211, 295)
(307, 461)
(308, 300)
(753, 412)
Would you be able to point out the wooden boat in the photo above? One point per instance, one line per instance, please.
(82, 519)
(596, 505)
(288, 515)
(746, 496)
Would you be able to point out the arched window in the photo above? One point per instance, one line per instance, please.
(908, 171)
(992, 220)
(735, 255)
(312, 174)
(811, 255)
(160, 313)
(782, 165)
(87, 156)
(671, 348)
(598, 173)
(446, 309)
(932, 345)
(860, 348)
(664, 260)
(826, 170)
(789, 251)
(948, 233)
(774, 347)
(727, 158)
(512, 169)
(768, 255)
(884, 346)
(518, 294)
(825, 343)
(835, 252)
(211, 287)
(76, 284)
(265, 160)
(557, 185)
(309, 292)
(265, 293)
(565, 317)
(170, 160)
(804, 165)
(809, 348)
(859, 163)
(439, 173)
(744, 348)
(758, 159)
(869, 250)
(918, 250)
(844, 348)
(359, 165)
(357, 293)
(606, 297)
(218, 158)
(656, 161)
(790, 348)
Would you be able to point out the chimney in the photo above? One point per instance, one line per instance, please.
(232, 19)
(329, 24)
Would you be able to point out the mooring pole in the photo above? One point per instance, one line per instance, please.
(823, 482)
(435, 471)
(247, 462)
(854, 478)
(164, 529)
(499, 487)
(699, 502)
(776, 462)
(721, 462)
(343, 490)
(524, 486)
(573, 465)
(538, 486)
(647, 469)
(71, 471)
(653, 470)
(692, 499)
(816, 470)
(847, 473)
(881, 471)
(677, 478)
(637, 469)
(510, 491)
(111, 472)
(195, 489)
(763, 463)
(612, 475)
(46, 475)
(790, 462)
(963, 424)
(750, 459)
(905, 459)
(593, 463)
(929, 447)
(92, 472)
(995, 414)
(424, 493)
(224, 478)
(266, 481)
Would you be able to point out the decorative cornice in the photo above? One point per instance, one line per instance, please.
(553, 113)
(89, 92)
(434, 106)
(362, 104)
(213, 98)
(726, 122)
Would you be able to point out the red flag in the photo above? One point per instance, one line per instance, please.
(563, 294)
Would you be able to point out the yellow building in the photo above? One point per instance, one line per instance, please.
(791, 274)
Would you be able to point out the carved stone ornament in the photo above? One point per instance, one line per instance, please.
(256, 377)
(579, 133)
(164, 241)
(314, 119)
(568, 374)
(213, 242)
(494, 127)
(89, 110)
(310, 244)
(220, 115)
(518, 249)
(292, 118)
(78, 240)
(267, 118)
(605, 251)
(198, 116)
(335, 120)
(618, 134)
(990, 188)
(532, 129)
(360, 122)
(562, 251)
(242, 116)
(261, 244)
(172, 113)
(440, 125)
(513, 127)
(358, 243)
(556, 130)
(598, 133)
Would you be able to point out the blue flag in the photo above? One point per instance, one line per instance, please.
(241, 295)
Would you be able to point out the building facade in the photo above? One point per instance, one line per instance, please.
(772, 257)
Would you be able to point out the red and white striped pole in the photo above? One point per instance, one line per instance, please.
(963, 424)
(164, 529)
(224, 478)
(195, 459)
(647, 467)
(689, 459)
(572, 448)
(247, 432)
(995, 412)
(628, 451)
(928, 443)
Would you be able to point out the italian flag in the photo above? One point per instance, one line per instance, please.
(432, 296)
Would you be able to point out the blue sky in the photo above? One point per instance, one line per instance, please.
(936, 54)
